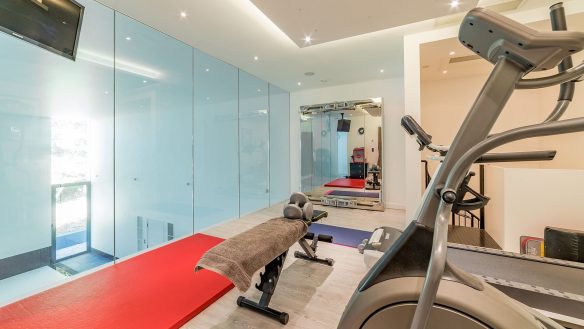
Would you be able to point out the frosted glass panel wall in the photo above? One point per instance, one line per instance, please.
(254, 159)
(154, 133)
(279, 144)
(99, 156)
(56, 156)
(216, 141)
(306, 157)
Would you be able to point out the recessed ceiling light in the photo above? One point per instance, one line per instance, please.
(207, 69)
(259, 90)
(444, 72)
(451, 53)
(307, 39)
(144, 81)
(454, 3)
(128, 38)
(255, 58)
(207, 98)
(299, 83)
(381, 71)
(183, 14)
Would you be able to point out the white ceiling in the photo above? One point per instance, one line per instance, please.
(435, 58)
(236, 31)
(330, 20)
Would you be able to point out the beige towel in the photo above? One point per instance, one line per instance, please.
(239, 257)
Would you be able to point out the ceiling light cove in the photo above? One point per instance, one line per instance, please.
(301, 19)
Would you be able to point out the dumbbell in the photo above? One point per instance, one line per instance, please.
(299, 207)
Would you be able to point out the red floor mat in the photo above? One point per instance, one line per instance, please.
(347, 183)
(157, 289)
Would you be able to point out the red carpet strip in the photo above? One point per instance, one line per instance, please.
(157, 289)
(347, 183)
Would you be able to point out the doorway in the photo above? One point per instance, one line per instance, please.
(71, 225)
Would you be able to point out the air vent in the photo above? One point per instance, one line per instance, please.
(461, 59)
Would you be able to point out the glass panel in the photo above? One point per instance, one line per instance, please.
(39, 149)
(253, 144)
(216, 141)
(279, 145)
(154, 132)
(306, 153)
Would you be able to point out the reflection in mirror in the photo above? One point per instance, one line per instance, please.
(341, 153)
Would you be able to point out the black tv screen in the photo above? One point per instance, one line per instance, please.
(51, 24)
(344, 125)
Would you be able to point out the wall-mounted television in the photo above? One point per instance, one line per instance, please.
(344, 125)
(51, 24)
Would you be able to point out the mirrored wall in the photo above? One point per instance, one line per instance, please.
(140, 141)
(341, 145)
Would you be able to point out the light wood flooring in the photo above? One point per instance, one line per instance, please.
(314, 295)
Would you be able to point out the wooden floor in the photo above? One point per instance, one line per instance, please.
(314, 295)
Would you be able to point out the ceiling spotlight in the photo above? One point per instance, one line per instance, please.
(444, 72)
(255, 58)
(183, 14)
(381, 71)
(144, 81)
(451, 53)
(259, 90)
(128, 38)
(307, 39)
(207, 69)
(299, 83)
(454, 3)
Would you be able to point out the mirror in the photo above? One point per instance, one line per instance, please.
(341, 147)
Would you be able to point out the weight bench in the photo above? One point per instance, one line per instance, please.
(265, 245)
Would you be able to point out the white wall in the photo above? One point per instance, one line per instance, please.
(391, 90)
(531, 199)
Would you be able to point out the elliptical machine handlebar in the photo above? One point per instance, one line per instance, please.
(413, 128)
(457, 169)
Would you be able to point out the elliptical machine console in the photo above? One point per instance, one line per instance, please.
(413, 285)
